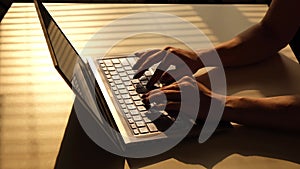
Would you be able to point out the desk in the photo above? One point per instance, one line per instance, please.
(240, 147)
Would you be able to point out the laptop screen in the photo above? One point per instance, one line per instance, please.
(63, 54)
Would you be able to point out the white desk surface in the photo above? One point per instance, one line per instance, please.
(28, 136)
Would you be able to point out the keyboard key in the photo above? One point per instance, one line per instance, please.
(114, 88)
(108, 62)
(110, 80)
(130, 121)
(100, 61)
(137, 118)
(111, 68)
(125, 111)
(118, 97)
(118, 82)
(106, 72)
(116, 92)
(115, 77)
(113, 73)
(124, 61)
(143, 130)
(131, 60)
(130, 88)
(132, 93)
(102, 65)
(147, 120)
(136, 132)
(121, 101)
(108, 76)
(140, 124)
(123, 106)
(128, 116)
(120, 69)
(128, 101)
(152, 127)
(122, 74)
(141, 108)
(130, 76)
(133, 126)
(120, 86)
(125, 78)
(131, 106)
(125, 96)
(131, 72)
(127, 68)
(143, 114)
(136, 98)
(134, 112)
(118, 65)
(115, 61)
(135, 81)
(127, 83)
(139, 103)
(123, 91)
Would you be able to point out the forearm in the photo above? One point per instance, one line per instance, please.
(282, 112)
(262, 40)
(251, 46)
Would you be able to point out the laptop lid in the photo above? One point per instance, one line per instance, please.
(63, 54)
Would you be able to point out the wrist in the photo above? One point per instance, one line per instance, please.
(206, 57)
(230, 108)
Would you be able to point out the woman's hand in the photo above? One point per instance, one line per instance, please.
(168, 56)
(173, 100)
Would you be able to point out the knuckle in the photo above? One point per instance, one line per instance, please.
(186, 78)
(168, 47)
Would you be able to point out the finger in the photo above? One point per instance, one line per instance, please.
(162, 96)
(151, 60)
(167, 78)
(148, 61)
(143, 56)
(155, 77)
(140, 53)
(183, 54)
(173, 75)
(172, 107)
(173, 86)
(161, 68)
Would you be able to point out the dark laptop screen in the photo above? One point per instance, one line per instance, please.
(63, 54)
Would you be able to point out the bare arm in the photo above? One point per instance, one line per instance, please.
(262, 40)
(282, 112)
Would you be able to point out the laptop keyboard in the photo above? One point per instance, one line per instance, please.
(128, 92)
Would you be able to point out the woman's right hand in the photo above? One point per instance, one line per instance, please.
(168, 56)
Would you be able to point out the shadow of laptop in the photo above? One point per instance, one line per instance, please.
(79, 151)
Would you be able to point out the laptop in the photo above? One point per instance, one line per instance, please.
(117, 94)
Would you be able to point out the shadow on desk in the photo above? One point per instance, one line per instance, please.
(78, 151)
(239, 140)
